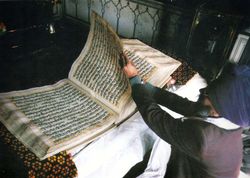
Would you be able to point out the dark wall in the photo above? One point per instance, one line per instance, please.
(175, 30)
(203, 32)
(30, 54)
(23, 14)
(210, 41)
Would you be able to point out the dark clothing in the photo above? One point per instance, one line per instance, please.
(199, 149)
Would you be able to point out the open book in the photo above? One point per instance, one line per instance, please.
(95, 97)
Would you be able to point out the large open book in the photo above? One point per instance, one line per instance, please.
(94, 98)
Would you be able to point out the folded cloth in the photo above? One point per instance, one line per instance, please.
(230, 94)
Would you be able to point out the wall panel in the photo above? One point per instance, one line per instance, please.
(131, 19)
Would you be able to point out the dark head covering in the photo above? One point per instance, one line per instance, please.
(230, 94)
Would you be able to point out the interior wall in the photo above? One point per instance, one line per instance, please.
(131, 19)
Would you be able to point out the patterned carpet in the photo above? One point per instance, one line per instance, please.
(59, 166)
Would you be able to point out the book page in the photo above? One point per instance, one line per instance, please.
(156, 67)
(153, 66)
(98, 70)
(52, 117)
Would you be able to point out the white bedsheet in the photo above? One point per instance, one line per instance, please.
(112, 155)
(115, 153)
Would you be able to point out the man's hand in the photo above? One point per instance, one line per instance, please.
(130, 70)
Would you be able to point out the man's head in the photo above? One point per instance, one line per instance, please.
(230, 94)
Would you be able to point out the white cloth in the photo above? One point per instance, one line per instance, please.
(115, 153)
(159, 157)
(222, 123)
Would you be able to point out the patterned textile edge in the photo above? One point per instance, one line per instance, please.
(60, 165)
(183, 73)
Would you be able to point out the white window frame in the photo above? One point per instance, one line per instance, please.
(238, 48)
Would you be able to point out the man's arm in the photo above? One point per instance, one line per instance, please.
(170, 100)
(177, 103)
(185, 135)
(174, 131)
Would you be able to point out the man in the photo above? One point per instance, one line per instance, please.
(200, 149)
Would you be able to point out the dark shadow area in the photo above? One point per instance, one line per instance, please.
(39, 51)
(202, 33)
(11, 166)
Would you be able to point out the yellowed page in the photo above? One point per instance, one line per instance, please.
(97, 68)
(154, 67)
(54, 118)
